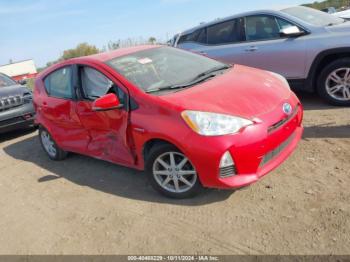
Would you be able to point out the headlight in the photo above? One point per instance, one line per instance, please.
(282, 78)
(212, 124)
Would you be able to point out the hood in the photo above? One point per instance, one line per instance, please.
(14, 90)
(241, 91)
(344, 27)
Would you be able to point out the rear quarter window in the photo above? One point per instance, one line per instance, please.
(225, 33)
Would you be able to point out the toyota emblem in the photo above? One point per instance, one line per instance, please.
(287, 109)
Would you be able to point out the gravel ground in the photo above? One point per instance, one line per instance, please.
(87, 206)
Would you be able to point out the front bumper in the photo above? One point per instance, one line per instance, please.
(242, 180)
(256, 151)
(17, 118)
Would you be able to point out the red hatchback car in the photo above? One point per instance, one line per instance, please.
(188, 120)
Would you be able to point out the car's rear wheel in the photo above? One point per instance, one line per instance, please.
(50, 146)
(334, 82)
(172, 173)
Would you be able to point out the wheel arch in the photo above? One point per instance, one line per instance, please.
(152, 142)
(45, 125)
(321, 60)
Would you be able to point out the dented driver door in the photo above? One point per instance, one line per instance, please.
(107, 130)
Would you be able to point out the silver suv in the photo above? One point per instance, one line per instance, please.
(310, 48)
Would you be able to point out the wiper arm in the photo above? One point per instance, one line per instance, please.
(193, 82)
(213, 70)
(199, 78)
(168, 88)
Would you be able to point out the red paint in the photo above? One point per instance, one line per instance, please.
(107, 102)
(25, 76)
(120, 136)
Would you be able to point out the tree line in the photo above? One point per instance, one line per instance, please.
(86, 49)
(338, 4)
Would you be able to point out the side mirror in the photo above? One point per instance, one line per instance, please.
(292, 31)
(22, 82)
(106, 103)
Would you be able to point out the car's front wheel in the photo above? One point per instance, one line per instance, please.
(50, 146)
(172, 173)
(334, 82)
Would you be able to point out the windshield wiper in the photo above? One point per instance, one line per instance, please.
(199, 78)
(213, 70)
(173, 87)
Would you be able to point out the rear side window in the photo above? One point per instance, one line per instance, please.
(59, 83)
(225, 33)
(199, 36)
(202, 37)
(6, 81)
(193, 37)
(262, 27)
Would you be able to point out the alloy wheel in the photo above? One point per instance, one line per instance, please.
(48, 143)
(174, 172)
(338, 84)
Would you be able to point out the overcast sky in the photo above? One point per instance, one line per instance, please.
(42, 29)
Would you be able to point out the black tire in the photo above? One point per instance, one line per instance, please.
(322, 81)
(157, 151)
(59, 154)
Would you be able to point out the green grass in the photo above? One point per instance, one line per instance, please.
(30, 83)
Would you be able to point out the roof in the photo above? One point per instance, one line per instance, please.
(279, 13)
(103, 57)
(19, 68)
(230, 18)
(100, 57)
(20, 61)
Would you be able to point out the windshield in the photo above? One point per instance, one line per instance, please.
(6, 81)
(313, 16)
(163, 67)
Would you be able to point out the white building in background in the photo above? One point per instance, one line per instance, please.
(20, 70)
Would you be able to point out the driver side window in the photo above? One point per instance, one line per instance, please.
(264, 27)
(95, 85)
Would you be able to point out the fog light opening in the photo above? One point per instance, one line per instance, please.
(27, 116)
(227, 166)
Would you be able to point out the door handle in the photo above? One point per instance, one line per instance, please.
(252, 49)
(203, 53)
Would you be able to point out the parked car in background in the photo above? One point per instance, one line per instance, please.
(16, 107)
(329, 10)
(308, 47)
(188, 120)
(343, 14)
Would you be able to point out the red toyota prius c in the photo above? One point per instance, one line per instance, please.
(187, 120)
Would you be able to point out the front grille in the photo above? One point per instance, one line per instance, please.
(283, 121)
(227, 171)
(277, 151)
(10, 102)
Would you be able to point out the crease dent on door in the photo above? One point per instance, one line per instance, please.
(108, 134)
